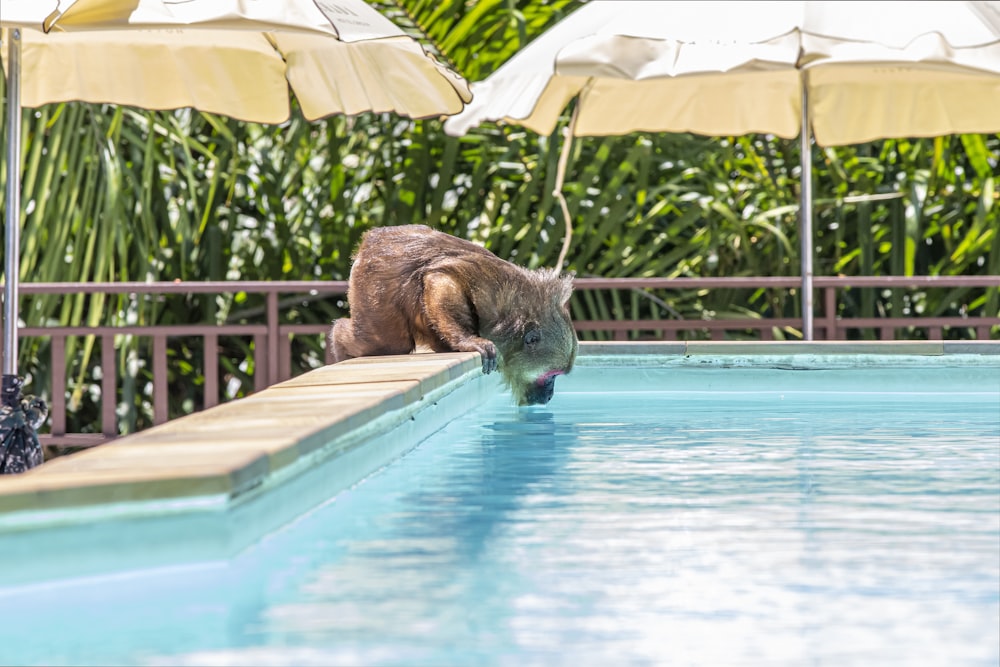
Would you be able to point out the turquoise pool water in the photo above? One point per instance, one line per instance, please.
(690, 516)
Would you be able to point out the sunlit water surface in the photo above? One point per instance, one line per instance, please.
(659, 528)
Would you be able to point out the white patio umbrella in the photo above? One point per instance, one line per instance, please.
(839, 72)
(240, 59)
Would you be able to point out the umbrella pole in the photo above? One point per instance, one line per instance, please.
(13, 222)
(20, 417)
(805, 220)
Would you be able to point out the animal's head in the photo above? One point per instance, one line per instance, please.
(535, 338)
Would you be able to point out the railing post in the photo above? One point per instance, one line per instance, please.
(57, 414)
(272, 338)
(211, 370)
(285, 358)
(261, 362)
(830, 312)
(161, 398)
(109, 386)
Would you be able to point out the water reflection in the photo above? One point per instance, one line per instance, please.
(422, 558)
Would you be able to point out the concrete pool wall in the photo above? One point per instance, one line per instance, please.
(204, 486)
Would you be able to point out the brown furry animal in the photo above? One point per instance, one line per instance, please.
(412, 286)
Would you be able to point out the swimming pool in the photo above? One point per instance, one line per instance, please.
(718, 510)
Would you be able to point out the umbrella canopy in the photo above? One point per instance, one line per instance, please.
(240, 59)
(651, 66)
(871, 70)
(236, 59)
(843, 72)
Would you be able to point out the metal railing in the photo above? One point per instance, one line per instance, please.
(828, 324)
(272, 338)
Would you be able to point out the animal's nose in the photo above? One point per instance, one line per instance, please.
(541, 392)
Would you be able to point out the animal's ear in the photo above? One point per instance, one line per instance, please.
(566, 290)
(532, 337)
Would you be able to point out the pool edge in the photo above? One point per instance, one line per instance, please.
(217, 455)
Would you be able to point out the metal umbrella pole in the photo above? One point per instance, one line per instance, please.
(805, 219)
(19, 417)
(12, 222)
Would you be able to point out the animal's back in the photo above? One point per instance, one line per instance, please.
(409, 252)
(386, 292)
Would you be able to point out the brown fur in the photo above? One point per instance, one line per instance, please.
(415, 287)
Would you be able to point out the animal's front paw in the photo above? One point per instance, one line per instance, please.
(489, 354)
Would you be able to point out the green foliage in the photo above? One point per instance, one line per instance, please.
(479, 36)
(119, 194)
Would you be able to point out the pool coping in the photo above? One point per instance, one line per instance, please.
(232, 449)
(229, 450)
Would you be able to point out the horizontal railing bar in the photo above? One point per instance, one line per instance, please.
(908, 281)
(677, 325)
(340, 286)
(915, 321)
(285, 329)
(153, 330)
(684, 283)
(182, 287)
(783, 281)
(583, 325)
(750, 323)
